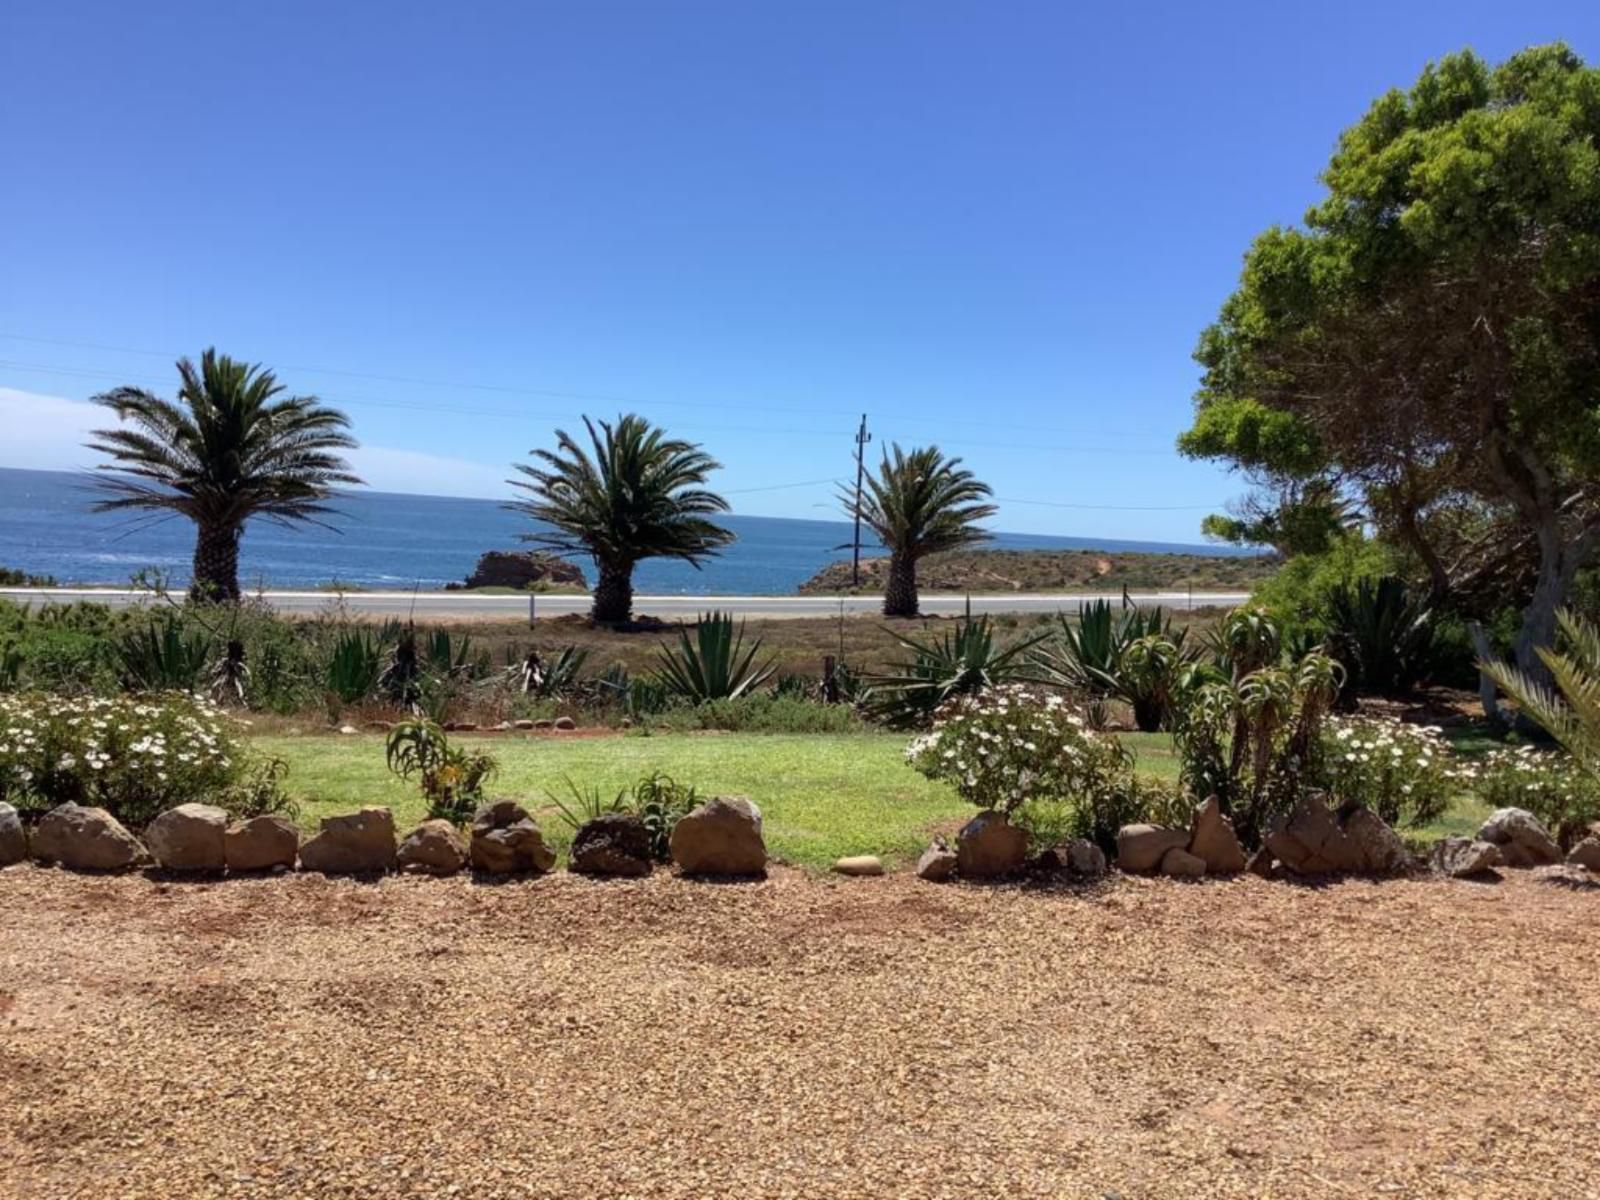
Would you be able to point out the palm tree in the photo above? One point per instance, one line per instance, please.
(637, 496)
(919, 504)
(231, 448)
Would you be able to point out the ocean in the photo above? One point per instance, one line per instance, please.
(389, 540)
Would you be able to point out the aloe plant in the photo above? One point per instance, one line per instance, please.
(715, 665)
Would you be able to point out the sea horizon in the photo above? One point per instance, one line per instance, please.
(400, 540)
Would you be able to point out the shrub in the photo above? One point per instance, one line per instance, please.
(1549, 784)
(133, 756)
(1402, 772)
(765, 712)
(163, 656)
(1382, 633)
(1011, 746)
(451, 778)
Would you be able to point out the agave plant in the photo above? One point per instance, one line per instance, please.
(1087, 656)
(1382, 633)
(966, 661)
(583, 805)
(1568, 707)
(164, 656)
(354, 667)
(716, 665)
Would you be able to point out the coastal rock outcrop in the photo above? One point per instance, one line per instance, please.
(520, 569)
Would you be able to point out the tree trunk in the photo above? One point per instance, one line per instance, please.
(900, 597)
(1559, 560)
(613, 595)
(215, 577)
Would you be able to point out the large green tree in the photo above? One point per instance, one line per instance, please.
(232, 447)
(633, 494)
(1429, 341)
(919, 503)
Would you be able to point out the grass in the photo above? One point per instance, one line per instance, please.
(822, 796)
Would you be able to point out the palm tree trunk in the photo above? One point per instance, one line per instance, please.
(613, 595)
(216, 564)
(900, 597)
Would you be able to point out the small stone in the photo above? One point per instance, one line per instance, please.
(937, 864)
(1140, 848)
(612, 844)
(1585, 854)
(1085, 858)
(859, 864)
(565, 724)
(359, 843)
(1213, 841)
(990, 847)
(265, 843)
(1462, 858)
(435, 847)
(506, 840)
(524, 723)
(347, 730)
(189, 838)
(13, 837)
(1180, 864)
(1522, 840)
(721, 837)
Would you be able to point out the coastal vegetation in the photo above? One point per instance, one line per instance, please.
(634, 494)
(918, 503)
(231, 448)
(999, 571)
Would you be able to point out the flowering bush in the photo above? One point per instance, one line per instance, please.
(1548, 783)
(1011, 745)
(1406, 774)
(134, 756)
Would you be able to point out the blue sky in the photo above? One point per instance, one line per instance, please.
(998, 226)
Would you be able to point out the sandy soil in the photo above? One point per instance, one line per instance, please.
(800, 1037)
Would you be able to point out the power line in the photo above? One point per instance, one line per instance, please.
(452, 385)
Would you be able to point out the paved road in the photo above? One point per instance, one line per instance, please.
(464, 605)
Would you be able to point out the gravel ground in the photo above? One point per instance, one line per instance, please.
(799, 1037)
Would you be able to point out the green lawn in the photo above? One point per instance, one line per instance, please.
(821, 795)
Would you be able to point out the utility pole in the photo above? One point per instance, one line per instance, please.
(862, 438)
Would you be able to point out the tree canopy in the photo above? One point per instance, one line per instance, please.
(1428, 343)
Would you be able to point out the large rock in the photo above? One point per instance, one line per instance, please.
(360, 843)
(13, 838)
(1140, 848)
(189, 838)
(87, 839)
(1308, 841)
(937, 864)
(264, 843)
(1523, 842)
(721, 837)
(1213, 841)
(612, 844)
(520, 568)
(505, 840)
(1180, 864)
(1381, 849)
(1462, 858)
(1585, 854)
(435, 847)
(989, 847)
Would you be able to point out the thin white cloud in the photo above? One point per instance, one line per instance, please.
(47, 433)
